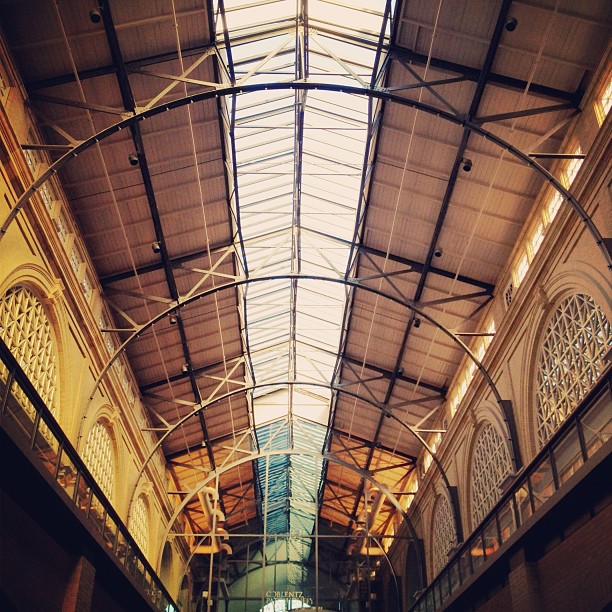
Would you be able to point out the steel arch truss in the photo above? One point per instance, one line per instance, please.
(377, 93)
(241, 457)
(391, 292)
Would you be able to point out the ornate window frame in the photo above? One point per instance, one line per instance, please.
(489, 466)
(140, 522)
(99, 454)
(443, 536)
(577, 335)
(27, 330)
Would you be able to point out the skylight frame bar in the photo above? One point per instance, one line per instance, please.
(310, 192)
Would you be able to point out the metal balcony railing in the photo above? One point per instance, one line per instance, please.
(584, 432)
(24, 415)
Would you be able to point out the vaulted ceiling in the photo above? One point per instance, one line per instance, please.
(294, 236)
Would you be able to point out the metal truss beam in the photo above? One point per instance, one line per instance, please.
(473, 74)
(351, 284)
(415, 266)
(381, 94)
(245, 454)
(203, 370)
(266, 455)
(78, 104)
(175, 262)
(444, 206)
(379, 446)
(132, 65)
(348, 89)
(527, 112)
(129, 103)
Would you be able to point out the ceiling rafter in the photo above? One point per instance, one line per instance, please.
(483, 78)
(130, 106)
(474, 74)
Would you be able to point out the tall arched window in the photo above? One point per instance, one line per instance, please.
(577, 336)
(26, 330)
(443, 534)
(490, 465)
(139, 523)
(99, 457)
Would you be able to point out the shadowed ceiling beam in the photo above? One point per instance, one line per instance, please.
(474, 74)
(411, 263)
(158, 265)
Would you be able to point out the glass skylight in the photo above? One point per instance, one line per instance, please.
(299, 163)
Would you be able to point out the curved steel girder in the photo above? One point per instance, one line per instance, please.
(325, 457)
(505, 406)
(379, 93)
(353, 394)
(332, 387)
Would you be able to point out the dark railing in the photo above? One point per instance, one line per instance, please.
(25, 415)
(585, 431)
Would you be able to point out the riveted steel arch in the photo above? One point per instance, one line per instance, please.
(379, 93)
(505, 406)
(326, 457)
(277, 383)
(201, 407)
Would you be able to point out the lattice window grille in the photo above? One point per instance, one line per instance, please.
(32, 160)
(110, 344)
(4, 87)
(521, 269)
(26, 330)
(605, 101)
(47, 197)
(490, 466)
(61, 227)
(139, 524)
(537, 238)
(576, 338)
(87, 287)
(75, 260)
(444, 537)
(572, 167)
(553, 206)
(99, 457)
(509, 294)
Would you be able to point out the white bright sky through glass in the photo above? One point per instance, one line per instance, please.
(299, 162)
(283, 220)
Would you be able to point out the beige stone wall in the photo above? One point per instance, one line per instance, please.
(568, 262)
(33, 254)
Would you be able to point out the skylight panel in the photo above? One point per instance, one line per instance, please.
(320, 200)
(360, 58)
(264, 226)
(255, 99)
(262, 137)
(320, 295)
(271, 408)
(357, 16)
(333, 106)
(319, 138)
(244, 17)
(255, 184)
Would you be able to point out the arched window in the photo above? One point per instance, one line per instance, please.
(26, 330)
(100, 458)
(577, 336)
(490, 465)
(443, 534)
(139, 523)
